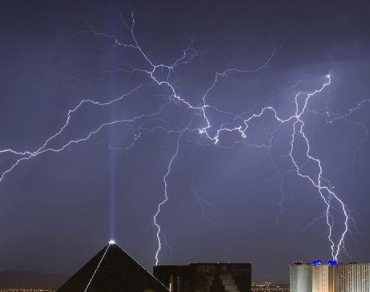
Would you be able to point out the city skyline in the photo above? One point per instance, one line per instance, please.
(197, 131)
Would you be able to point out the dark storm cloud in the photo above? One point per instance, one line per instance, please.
(55, 208)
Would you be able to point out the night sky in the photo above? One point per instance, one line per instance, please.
(231, 202)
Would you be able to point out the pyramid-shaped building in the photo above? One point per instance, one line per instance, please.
(112, 270)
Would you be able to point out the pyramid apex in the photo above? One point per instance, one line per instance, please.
(114, 270)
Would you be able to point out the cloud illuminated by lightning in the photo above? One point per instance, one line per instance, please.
(295, 121)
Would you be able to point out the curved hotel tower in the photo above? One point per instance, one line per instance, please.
(300, 277)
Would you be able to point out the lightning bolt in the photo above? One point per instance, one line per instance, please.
(297, 129)
(331, 118)
(318, 182)
(165, 178)
(202, 202)
(239, 124)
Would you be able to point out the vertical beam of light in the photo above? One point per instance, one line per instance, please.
(112, 172)
(112, 191)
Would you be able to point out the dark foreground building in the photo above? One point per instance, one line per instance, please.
(220, 277)
(112, 270)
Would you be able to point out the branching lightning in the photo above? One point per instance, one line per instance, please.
(165, 178)
(240, 125)
(202, 203)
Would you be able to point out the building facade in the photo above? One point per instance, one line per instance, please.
(323, 276)
(352, 277)
(300, 277)
(206, 277)
(330, 277)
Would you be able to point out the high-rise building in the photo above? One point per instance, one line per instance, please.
(200, 277)
(331, 277)
(300, 277)
(323, 276)
(352, 277)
